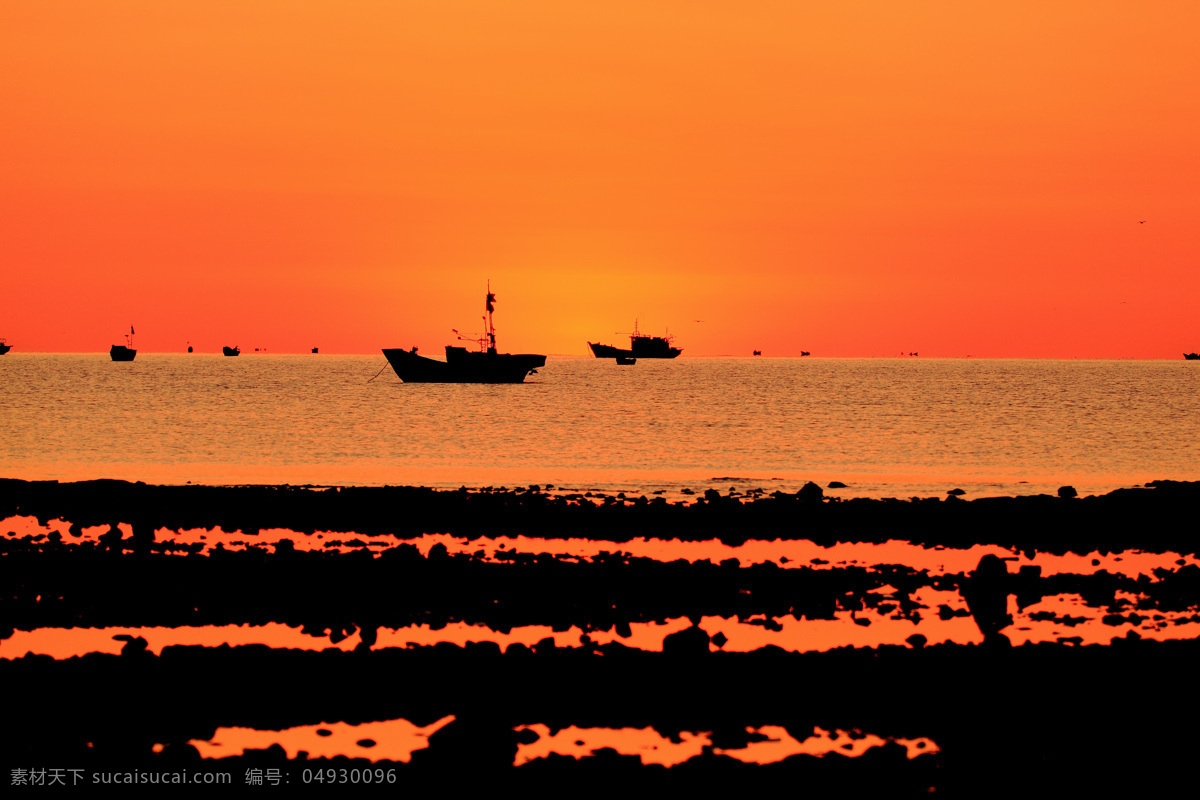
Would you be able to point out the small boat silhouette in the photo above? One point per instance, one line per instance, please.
(124, 352)
(464, 366)
(1192, 356)
(4, 346)
(640, 346)
(231, 351)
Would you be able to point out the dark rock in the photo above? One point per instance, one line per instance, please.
(689, 642)
(134, 645)
(986, 593)
(810, 493)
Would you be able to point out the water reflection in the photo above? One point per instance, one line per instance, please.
(389, 740)
(765, 745)
(887, 427)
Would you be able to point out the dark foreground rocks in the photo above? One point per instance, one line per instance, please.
(1152, 518)
(1040, 719)
(1046, 716)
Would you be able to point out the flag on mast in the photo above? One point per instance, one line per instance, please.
(131, 329)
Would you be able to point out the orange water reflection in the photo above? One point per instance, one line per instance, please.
(389, 740)
(62, 643)
(645, 743)
(651, 747)
(784, 553)
(1062, 618)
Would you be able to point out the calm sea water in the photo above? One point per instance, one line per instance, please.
(886, 427)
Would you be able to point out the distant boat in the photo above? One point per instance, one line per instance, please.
(640, 346)
(314, 351)
(464, 366)
(230, 351)
(124, 352)
(625, 362)
(4, 346)
(1192, 356)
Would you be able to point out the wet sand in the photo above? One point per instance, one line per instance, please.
(386, 627)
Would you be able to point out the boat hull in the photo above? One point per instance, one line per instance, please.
(462, 366)
(1192, 356)
(231, 351)
(120, 352)
(640, 350)
(4, 348)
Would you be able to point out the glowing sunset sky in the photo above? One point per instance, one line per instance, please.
(853, 179)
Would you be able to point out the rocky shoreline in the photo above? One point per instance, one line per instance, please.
(1142, 517)
(1054, 715)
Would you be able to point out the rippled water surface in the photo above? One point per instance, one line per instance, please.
(886, 427)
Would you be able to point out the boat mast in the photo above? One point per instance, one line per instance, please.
(487, 341)
(489, 328)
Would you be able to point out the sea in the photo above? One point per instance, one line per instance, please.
(884, 427)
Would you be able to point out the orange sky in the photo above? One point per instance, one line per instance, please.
(852, 179)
